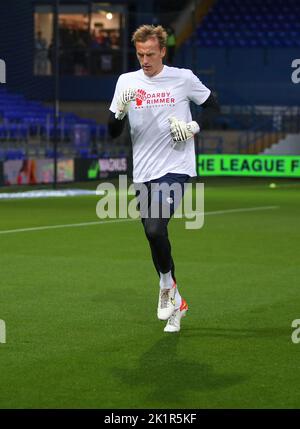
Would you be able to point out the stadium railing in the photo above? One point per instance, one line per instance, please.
(209, 144)
(270, 127)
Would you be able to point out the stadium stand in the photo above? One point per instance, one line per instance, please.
(247, 47)
(24, 122)
(242, 50)
(251, 23)
(287, 146)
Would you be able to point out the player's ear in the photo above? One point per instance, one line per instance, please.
(163, 52)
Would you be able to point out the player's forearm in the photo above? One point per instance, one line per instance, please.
(115, 126)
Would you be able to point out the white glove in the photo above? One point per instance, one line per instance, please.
(123, 102)
(182, 131)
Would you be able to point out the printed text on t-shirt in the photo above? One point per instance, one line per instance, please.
(161, 98)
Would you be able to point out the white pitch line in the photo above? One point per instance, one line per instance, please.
(75, 225)
(249, 209)
(68, 225)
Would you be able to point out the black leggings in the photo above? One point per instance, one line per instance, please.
(156, 228)
(157, 234)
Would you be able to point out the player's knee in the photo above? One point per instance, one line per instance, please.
(154, 229)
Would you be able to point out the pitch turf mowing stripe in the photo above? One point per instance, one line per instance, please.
(75, 225)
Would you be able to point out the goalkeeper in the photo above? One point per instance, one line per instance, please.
(156, 100)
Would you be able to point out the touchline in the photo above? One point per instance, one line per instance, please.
(2, 71)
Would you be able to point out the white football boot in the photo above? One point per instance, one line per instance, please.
(173, 324)
(166, 303)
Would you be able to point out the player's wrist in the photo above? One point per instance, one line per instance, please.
(120, 115)
(193, 127)
(123, 102)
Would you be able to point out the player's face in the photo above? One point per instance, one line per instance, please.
(150, 56)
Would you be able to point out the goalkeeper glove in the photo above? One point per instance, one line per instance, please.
(182, 131)
(123, 102)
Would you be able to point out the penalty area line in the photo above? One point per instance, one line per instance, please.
(107, 222)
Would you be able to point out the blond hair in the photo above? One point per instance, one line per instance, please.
(145, 32)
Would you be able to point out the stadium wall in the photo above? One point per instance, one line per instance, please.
(246, 76)
(1, 174)
(41, 171)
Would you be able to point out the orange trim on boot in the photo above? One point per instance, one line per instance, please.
(184, 305)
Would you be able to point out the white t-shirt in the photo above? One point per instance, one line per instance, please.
(166, 94)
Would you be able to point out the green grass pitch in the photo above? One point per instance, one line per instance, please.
(80, 306)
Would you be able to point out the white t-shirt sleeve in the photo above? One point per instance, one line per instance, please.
(113, 106)
(197, 92)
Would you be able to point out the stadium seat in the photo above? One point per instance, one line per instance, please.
(22, 120)
(276, 21)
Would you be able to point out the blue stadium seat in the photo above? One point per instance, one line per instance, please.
(274, 23)
(13, 154)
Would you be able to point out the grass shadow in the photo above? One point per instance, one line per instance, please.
(170, 379)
